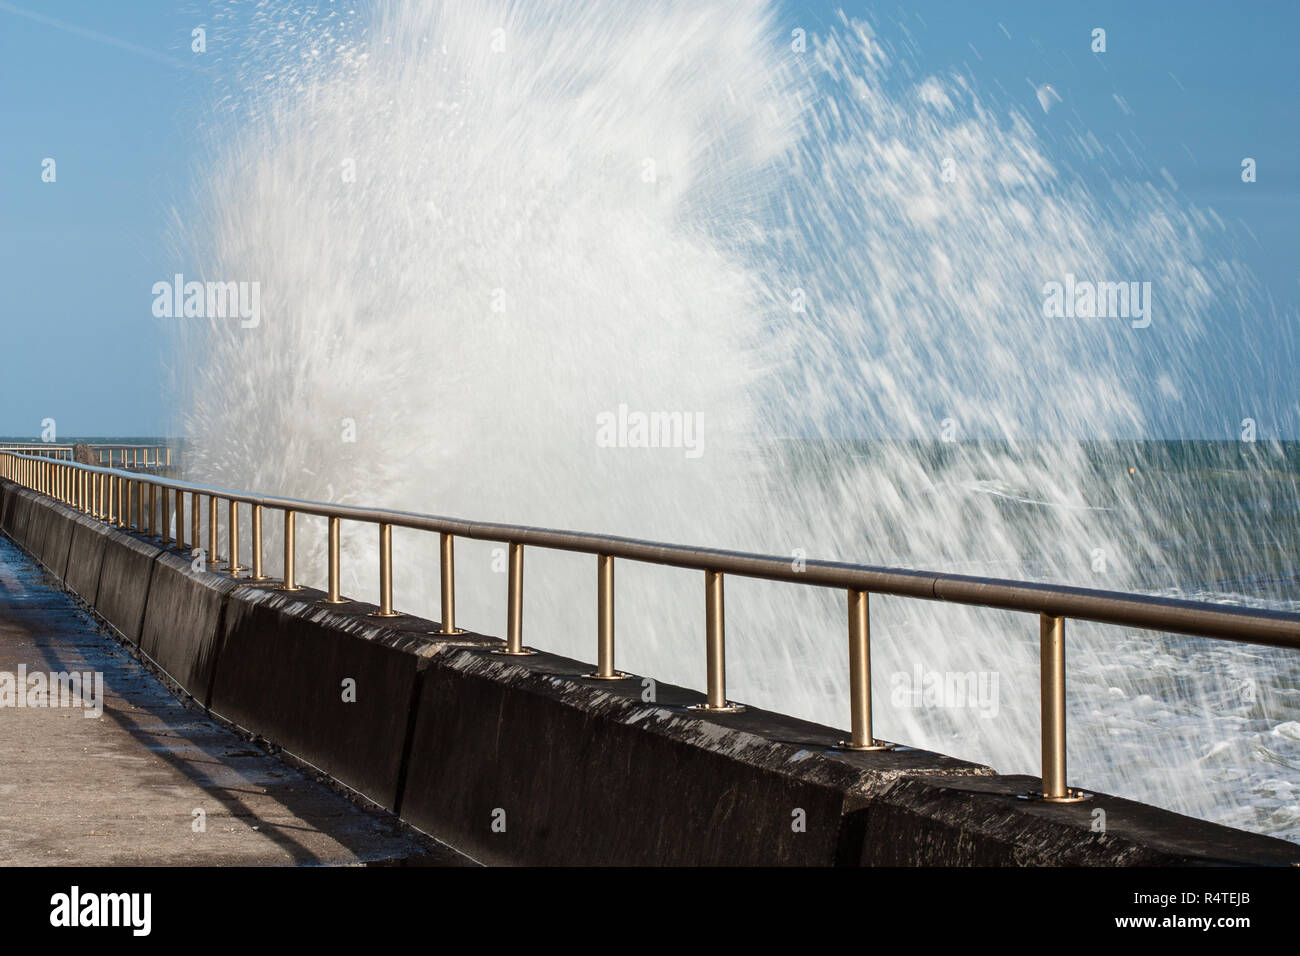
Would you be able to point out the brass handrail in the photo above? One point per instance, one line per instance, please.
(91, 490)
(162, 454)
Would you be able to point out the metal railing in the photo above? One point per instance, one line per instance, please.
(139, 502)
(128, 456)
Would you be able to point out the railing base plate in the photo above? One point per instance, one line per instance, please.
(849, 747)
(1071, 796)
(727, 708)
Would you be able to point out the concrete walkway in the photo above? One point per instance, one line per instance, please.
(131, 787)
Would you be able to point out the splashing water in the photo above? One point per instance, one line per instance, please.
(480, 229)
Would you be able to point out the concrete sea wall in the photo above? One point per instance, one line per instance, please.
(519, 760)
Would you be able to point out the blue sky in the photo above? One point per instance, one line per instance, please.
(112, 92)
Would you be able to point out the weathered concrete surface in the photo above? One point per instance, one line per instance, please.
(326, 684)
(945, 821)
(645, 783)
(182, 623)
(14, 510)
(123, 788)
(85, 558)
(50, 540)
(125, 575)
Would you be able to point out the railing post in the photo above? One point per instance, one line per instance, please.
(1051, 662)
(196, 524)
(860, 733)
(715, 638)
(257, 574)
(290, 547)
(234, 567)
(164, 517)
(1052, 675)
(180, 519)
(515, 606)
(334, 597)
(214, 534)
(605, 620)
(386, 573)
(447, 574)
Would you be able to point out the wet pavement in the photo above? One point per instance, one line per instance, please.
(148, 781)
